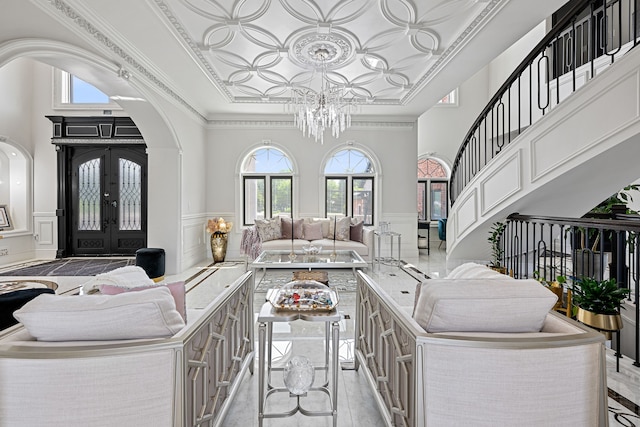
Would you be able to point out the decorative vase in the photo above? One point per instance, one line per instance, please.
(605, 323)
(218, 246)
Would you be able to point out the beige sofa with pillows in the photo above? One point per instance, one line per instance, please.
(275, 234)
(482, 351)
(134, 357)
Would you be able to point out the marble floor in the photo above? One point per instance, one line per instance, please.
(356, 405)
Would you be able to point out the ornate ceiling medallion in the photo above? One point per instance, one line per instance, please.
(339, 47)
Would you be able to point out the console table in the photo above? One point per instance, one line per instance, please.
(266, 318)
(392, 235)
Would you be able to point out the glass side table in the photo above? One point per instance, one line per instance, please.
(266, 318)
(392, 236)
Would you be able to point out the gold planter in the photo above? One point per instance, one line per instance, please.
(218, 246)
(605, 323)
(501, 270)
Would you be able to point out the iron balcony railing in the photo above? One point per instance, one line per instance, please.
(589, 37)
(549, 247)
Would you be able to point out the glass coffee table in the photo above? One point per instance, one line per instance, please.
(323, 260)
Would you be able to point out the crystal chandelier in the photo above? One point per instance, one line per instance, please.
(316, 111)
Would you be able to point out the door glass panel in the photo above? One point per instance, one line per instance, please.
(89, 212)
(130, 204)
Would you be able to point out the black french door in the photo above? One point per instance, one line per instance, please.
(106, 207)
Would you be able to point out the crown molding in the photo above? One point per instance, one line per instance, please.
(492, 8)
(71, 18)
(288, 124)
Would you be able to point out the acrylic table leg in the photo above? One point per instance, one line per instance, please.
(269, 345)
(327, 334)
(379, 250)
(335, 339)
(261, 386)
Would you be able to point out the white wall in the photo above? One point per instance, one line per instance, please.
(15, 126)
(442, 128)
(393, 145)
(502, 67)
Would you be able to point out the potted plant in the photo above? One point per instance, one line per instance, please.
(557, 287)
(598, 303)
(497, 250)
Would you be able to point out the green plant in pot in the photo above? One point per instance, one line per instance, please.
(598, 303)
(497, 250)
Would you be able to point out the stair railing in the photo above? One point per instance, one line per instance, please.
(587, 39)
(548, 247)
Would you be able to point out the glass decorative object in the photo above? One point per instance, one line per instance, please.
(298, 375)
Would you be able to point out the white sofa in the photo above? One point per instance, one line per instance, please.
(188, 379)
(553, 376)
(252, 243)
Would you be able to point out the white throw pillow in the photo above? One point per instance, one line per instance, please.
(342, 228)
(269, 229)
(129, 277)
(132, 315)
(473, 270)
(483, 305)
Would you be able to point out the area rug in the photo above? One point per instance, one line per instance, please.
(339, 279)
(68, 267)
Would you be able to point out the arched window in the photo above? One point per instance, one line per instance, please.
(433, 182)
(267, 183)
(71, 92)
(349, 183)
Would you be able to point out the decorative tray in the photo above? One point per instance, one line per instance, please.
(304, 295)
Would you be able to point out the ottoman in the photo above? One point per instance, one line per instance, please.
(151, 260)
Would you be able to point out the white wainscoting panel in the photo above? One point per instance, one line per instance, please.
(503, 181)
(467, 214)
(608, 112)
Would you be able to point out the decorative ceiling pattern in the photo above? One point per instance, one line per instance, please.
(380, 51)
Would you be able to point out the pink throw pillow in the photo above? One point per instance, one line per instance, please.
(312, 231)
(285, 228)
(355, 231)
(177, 290)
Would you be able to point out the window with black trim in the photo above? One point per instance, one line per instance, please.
(433, 195)
(267, 185)
(349, 185)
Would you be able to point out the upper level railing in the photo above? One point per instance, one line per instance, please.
(589, 37)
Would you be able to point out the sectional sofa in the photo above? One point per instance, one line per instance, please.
(479, 352)
(276, 234)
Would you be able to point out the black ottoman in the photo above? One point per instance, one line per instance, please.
(151, 260)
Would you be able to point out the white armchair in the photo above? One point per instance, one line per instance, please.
(448, 378)
(188, 379)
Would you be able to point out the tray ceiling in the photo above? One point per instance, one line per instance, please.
(229, 58)
(382, 51)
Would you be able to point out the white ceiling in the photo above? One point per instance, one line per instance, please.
(229, 57)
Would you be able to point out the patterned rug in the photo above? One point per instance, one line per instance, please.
(339, 279)
(68, 267)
